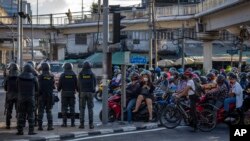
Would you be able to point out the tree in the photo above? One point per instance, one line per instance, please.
(94, 8)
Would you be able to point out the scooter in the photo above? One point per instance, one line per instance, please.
(114, 112)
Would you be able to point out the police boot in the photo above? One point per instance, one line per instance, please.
(81, 124)
(19, 132)
(50, 126)
(64, 122)
(72, 121)
(31, 131)
(40, 127)
(8, 124)
(91, 125)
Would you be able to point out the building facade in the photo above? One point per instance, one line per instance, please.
(11, 6)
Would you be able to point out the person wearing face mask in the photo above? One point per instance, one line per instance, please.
(146, 93)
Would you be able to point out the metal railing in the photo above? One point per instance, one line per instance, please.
(175, 10)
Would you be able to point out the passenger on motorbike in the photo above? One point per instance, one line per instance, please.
(146, 93)
(235, 94)
(219, 93)
(246, 102)
(132, 92)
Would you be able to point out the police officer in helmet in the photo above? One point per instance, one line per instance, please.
(68, 85)
(10, 87)
(87, 85)
(27, 86)
(45, 96)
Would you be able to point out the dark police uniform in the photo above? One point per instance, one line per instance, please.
(68, 85)
(10, 87)
(87, 85)
(45, 96)
(27, 86)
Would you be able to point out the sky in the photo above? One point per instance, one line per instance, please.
(62, 6)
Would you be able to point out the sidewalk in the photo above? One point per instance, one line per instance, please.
(62, 133)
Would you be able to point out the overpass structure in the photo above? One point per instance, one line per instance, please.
(207, 19)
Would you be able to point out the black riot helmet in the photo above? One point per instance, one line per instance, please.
(32, 63)
(27, 68)
(45, 67)
(68, 66)
(86, 65)
(14, 67)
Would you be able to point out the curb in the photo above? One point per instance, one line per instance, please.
(79, 134)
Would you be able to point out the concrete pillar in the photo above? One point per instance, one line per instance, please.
(207, 38)
(207, 56)
(4, 56)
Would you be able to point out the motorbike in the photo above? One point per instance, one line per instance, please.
(114, 112)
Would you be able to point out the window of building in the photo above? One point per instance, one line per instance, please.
(81, 39)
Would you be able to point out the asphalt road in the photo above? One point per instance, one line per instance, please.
(221, 133)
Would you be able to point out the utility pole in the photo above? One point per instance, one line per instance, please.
(37, 12)
(155, 35)
(150, 31)
(105, 61)
(82, 10)
(20, 35)
(183, 48)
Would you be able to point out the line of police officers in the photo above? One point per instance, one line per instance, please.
(22, 90)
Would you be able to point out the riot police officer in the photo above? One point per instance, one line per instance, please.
(68, 85)
(87, 85)
(27, 86)
(10, 87)
(35, 73)
(45, 96)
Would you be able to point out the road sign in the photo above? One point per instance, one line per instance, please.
(138, 60)
(232, 51)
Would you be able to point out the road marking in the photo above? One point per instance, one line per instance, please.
(117, 134)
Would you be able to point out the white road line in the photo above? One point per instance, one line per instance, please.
(117, 134)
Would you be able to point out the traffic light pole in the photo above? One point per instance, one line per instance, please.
(105, 61)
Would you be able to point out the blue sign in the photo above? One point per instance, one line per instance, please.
(138, 60)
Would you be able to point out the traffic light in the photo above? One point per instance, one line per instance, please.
(117, 27)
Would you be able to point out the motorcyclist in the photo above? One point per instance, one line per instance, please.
(146, 94)
(10, 87)
(68, 85)
(219, 93)
(132, 92)
(243, 79)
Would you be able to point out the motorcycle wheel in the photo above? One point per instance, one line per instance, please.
(206, 120)
(111, 116)
(98, 95)
(170, 117)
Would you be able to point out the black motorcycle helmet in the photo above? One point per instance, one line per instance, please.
(210, 76)
(45, 66)
(220, 79)
(68, 67)
(86, 65)
(243, 75)
(135, 76)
